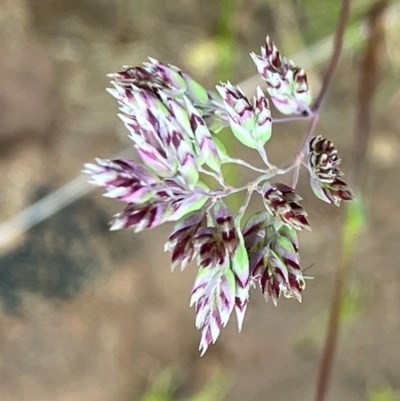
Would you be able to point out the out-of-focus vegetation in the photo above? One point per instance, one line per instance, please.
(163, 389)
(383, 393)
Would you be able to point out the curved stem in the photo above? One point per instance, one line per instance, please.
(352, 227)
(300, 155)
(264, 158)
(252, 186)
(284, 170)
(354, 223)
(245, 204)
(245, 164)
(349, 232)
(337, 49)
(219, 178)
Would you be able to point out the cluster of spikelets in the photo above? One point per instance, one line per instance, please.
(173, 122)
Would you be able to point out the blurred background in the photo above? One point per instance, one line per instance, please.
(90, 315)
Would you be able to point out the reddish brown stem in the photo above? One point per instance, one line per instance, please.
(337, 48)
(331, 337)
(367, 87)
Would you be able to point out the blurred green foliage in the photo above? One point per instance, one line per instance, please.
(226, 39)
(355, 220)
(163, 389)
(319, 19)
(312, 334)
(353, 300)
(226, 44)
(383, 394)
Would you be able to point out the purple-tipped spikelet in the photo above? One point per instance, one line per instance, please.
(151, 201)
(250, 123)
(282, 201)
(123, 179)
(181, 241)
(274, 260)
(222, 282)
(286, 83)
(323, 163)
(173, 123)
(163, 123)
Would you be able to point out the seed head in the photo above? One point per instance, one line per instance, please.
(323, 164)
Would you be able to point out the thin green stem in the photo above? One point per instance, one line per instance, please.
(245, 164)
(218, 177)
(282, 171)
(303, 150)
(264, 158)
(228, 190)
(240, 213)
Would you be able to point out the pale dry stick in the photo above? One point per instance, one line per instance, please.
(43, 209)
(39, 211)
